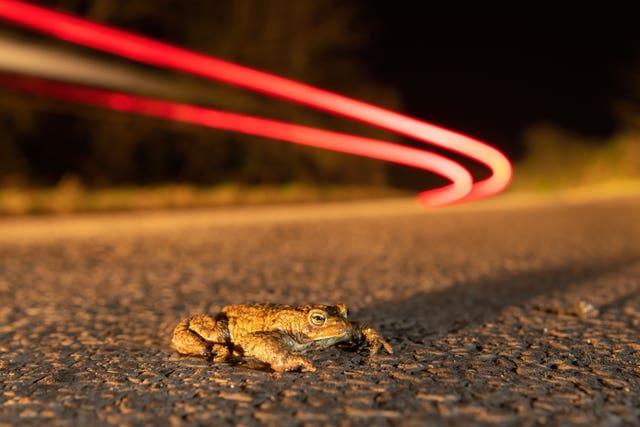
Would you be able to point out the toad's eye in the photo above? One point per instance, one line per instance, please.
(317, 318)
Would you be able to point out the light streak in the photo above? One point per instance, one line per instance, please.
(100, 37)
(273, 129)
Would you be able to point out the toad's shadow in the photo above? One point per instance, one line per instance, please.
(440, 312)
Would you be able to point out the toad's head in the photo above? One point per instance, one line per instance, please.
(325, 323)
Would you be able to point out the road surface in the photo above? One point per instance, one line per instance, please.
(520, 315)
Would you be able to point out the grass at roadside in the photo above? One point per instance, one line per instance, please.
(70, 197)
(559, 161)
(558, 165)
(66, 198)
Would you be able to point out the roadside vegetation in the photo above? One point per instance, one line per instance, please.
(71, 197)
(559, 160)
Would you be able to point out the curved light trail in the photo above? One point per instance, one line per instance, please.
(273, 129)
(160, 54)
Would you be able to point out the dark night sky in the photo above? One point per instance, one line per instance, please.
(492, 76)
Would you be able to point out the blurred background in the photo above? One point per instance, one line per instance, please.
(560, 96)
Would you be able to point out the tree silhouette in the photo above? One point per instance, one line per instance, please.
(316, 42)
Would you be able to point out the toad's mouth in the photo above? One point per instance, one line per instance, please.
(330, 337)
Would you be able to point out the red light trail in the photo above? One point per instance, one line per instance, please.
(160, 54)
(262, 127)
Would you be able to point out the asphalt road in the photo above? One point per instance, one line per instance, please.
(519, 315)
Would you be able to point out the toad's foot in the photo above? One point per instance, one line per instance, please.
(292, 363)
(367, 333)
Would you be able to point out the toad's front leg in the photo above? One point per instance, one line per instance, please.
(202, 335)
(362, 332)
(272, 348)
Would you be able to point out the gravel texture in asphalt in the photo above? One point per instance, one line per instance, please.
(517, 316)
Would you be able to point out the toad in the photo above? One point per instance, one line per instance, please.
(272, 333)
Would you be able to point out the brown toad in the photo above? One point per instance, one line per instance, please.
(272, 333)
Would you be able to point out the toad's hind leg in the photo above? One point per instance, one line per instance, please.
(201, 335)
